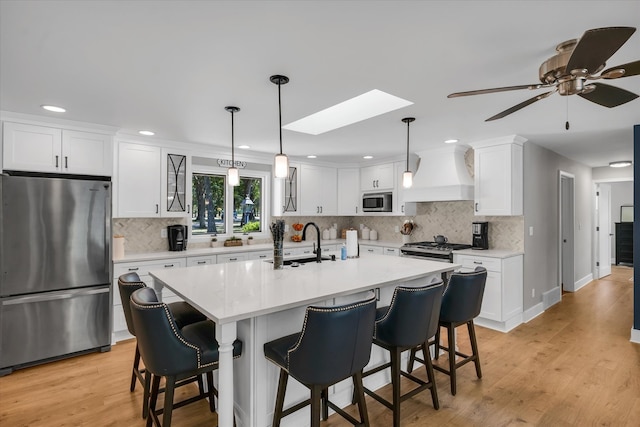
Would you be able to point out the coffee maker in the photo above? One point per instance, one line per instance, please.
(480, 239)
(177, 235)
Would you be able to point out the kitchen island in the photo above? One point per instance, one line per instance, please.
(252, 301)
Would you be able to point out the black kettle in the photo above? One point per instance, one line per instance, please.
(440, 239)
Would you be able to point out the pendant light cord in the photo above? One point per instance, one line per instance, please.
(408, 144)
(280, 115)
(233, 159)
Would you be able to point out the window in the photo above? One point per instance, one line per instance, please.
(222, 210)
(208, 204)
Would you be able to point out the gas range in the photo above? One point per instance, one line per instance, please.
(432, 250)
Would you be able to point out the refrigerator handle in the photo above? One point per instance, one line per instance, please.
(107, 230)
(54, 296)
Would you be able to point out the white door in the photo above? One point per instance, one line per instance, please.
(604, 229)
(567, 227)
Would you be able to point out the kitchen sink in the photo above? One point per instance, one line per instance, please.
(298, 261)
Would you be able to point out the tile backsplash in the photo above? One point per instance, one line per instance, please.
(450, 219)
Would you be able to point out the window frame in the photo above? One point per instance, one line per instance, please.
(265, 213)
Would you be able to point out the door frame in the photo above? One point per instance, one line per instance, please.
(561, 196)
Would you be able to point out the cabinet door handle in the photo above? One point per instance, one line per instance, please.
(320, 209)
(168, 265)
(476, 207)
(402, 208)
(134, 269)
(356, 209)
(56, 161)
(157, 211)
(373, 183)
(188, 209)
(66, 162)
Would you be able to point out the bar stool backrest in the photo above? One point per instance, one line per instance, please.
(127, 284)
(412, 317)
(335, 342)
(162, 347)
(462, 299)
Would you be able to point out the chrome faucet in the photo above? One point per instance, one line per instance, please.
(318, 252)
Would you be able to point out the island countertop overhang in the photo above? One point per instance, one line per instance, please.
(236, 291)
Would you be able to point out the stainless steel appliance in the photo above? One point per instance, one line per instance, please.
(378, 202)
(55, 261)
(177, 235)
(431, 250)
(480, 238)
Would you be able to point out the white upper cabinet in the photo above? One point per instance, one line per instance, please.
(378, 177)
(498, 166)
(349, 199)
(44, 149)
(153, 182)
(138, 174)
(318, 190)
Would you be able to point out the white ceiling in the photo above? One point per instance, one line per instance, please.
(172, 67)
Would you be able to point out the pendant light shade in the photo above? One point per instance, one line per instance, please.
(407, 176)
(233, 176)
(281, 161)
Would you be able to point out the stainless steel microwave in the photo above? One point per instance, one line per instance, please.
(378, 202)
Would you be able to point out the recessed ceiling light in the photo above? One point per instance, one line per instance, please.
(450, 141)
(146, 132)
(53, 108)
(244, 147)
(367, 157)
(620, 164)
(362, 107)
(311, 156)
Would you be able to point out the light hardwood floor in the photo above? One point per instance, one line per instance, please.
(571, 366)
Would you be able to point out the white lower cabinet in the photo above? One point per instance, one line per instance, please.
(201, 260)
(120, 331)
(237, 257)
(259, 255)
(379, 250)
(502, 304)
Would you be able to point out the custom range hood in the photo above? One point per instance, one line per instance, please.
(441, 176)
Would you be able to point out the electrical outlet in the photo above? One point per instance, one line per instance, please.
(163, 233)
(531, 231)
(397, 228)
(533, 293)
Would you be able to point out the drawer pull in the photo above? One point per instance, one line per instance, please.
(233, 259)
(134, 269)
(202, 262)
(477, 262)
(168, 265)
(262, 256)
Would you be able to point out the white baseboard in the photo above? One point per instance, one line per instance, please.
(582, 282)
(551, 297)
(635, 335)
(533, 312)
(505, 326)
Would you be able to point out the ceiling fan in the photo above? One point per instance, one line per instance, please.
(571, 70)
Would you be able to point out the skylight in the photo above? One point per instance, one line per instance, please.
(362, 107)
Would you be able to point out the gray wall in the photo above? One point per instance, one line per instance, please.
(541, 171)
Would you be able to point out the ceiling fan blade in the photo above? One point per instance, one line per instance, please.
(519, 106)
(608, 96)
(630, 69)
(497, 89)
(597, 46)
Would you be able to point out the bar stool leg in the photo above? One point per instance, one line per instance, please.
(436, 352)
(282, 387)
(430, 376)
(324, 397)
(135, 370)
(316, 391)
(452, 356)
(145, 394)
(154, 398)
(359, 397)
(170, 383)
(395, 380)
(212, 399)
(474, 347)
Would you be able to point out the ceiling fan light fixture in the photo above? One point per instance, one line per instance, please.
(620, 164)
(407, 176)
(281, 161)
(233, 176)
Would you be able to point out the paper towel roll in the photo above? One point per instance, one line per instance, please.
(352, 243)
(118, 247)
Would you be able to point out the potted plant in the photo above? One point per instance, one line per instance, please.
(214, 242)
(233, 241)
(250, 240)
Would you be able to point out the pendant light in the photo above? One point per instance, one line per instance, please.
(407, 176)
(233, 176)
(281, 161)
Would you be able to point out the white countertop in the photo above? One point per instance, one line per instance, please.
(235, 291)
(489, 253)
(146, 256)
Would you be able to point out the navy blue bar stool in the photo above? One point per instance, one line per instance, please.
(335, 344)
(409, 321)
(461, 304)
(182, 312)
(179, 355)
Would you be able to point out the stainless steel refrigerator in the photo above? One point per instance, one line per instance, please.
(55, 261)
